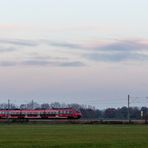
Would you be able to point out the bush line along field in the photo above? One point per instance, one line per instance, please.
(73, 136)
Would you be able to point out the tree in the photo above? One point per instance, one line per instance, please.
(33, 105)
(45, 106)
(110, 113)
(55, 105)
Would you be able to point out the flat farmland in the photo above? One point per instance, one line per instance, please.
(73, 136)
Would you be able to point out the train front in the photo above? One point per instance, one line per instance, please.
(76, 114)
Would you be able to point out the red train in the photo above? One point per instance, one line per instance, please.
(55, 113)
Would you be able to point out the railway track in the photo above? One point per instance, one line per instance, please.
(68, 121)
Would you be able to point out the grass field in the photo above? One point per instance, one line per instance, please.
(72, 136)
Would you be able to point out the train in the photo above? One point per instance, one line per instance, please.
(54, 113)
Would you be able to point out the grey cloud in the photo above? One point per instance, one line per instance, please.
(35, 62)
(116, 51)
(23, 42)
(5, 49)
(39, 57)
(52, 63)
(119, 51)
(124, 46)
(19, 42)
(116, 57)
(63, 44)
(72, 64)
(42, 63)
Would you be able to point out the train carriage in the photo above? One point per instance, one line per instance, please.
(55, 113)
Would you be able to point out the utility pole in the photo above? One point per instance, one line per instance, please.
(128, 109)
(32, 104)
(8, 105)
(8, 110)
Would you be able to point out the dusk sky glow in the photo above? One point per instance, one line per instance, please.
(90, 52)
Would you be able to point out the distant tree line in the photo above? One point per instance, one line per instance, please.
(88, 112)
(115, 113)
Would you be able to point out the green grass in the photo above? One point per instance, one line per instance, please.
(73, 136)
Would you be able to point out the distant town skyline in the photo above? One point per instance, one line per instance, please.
(88, 52)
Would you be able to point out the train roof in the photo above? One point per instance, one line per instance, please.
(36, 109)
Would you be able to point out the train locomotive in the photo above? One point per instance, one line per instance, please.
(54, 113)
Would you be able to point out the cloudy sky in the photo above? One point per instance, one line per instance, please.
(74, 51)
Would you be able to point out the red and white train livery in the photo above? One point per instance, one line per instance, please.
(55, 113)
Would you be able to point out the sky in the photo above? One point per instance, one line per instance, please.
(90, 52)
